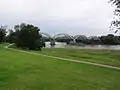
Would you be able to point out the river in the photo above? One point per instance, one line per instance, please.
(64, 45)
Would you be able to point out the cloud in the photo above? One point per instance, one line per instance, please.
(90, 17)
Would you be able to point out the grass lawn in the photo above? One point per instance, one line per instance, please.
(108, 57)
(21, 71)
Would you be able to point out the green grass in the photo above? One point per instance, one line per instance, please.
(108, 57)
(21, 71)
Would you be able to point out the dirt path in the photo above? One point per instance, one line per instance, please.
(64, 59)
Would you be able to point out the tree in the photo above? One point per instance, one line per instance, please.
(110, 40)
(115, 24)
(28, 37)
(2, 33)
(11, 37)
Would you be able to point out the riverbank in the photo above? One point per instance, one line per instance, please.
(100, 47)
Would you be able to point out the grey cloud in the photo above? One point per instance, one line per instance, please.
(90, 17)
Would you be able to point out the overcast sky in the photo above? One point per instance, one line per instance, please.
(83, 17)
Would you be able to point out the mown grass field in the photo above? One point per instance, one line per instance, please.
(108, 57)
(21, 71)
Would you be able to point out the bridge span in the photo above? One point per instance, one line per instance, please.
(63, 37)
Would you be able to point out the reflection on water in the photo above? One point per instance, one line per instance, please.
(58, 45)
(64, 45)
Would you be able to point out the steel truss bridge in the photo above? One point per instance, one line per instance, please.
(68, 38)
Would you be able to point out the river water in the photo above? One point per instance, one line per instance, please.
(64, 45)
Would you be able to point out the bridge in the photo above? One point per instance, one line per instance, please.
(63, 37)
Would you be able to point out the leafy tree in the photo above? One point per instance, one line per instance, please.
(110, 40)
(11, 37)
(2, 33)
(28, 37)
(115, 24)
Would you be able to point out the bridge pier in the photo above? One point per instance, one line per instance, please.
(52, 43)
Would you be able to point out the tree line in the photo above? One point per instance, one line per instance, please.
(109, 39)
(26, 36)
